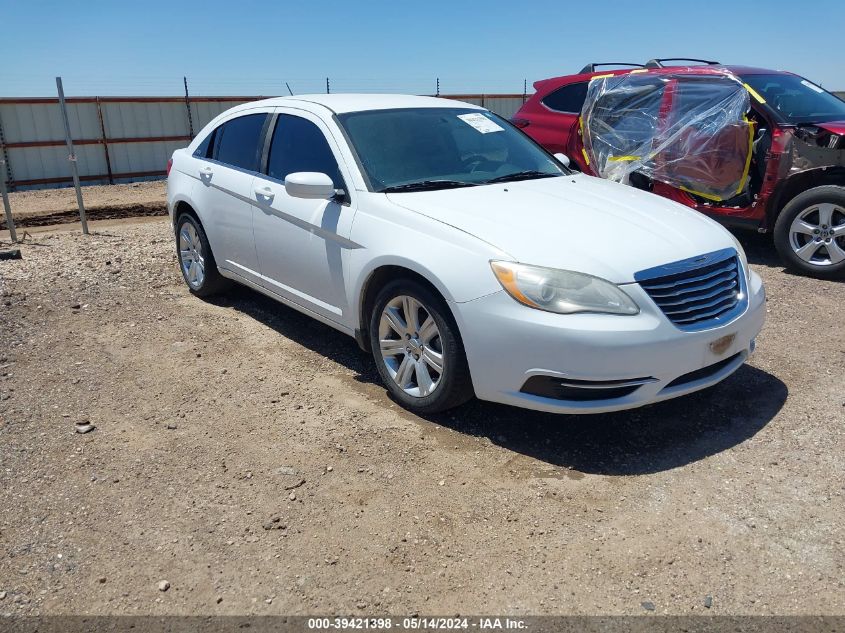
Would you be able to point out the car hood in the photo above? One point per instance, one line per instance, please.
(576, 222)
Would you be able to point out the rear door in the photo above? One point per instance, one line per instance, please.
(223, 193)
(301, 243)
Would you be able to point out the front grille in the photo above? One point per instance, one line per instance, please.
(700, 292)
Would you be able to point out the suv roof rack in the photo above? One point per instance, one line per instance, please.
(591, 68)
(659, 63)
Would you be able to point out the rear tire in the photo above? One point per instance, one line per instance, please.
(810, 232)
(196, 261)
(417, 348)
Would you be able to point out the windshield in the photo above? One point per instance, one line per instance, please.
(796, 99)
(412, 149)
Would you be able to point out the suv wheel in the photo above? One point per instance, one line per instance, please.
(196, 259)
(810, 232)
(417, 349)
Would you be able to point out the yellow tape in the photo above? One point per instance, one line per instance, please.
(639, 70)
(754, 93)
(747, 158)
(601, 76)
(586, 158)
(622, 158)
(706, 196)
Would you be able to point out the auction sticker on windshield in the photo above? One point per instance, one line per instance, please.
(481, 123)
(812, 86)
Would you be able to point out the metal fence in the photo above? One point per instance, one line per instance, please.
(125, 139)
(122, 139)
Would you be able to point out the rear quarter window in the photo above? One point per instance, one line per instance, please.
(203, 150)
(569, 99)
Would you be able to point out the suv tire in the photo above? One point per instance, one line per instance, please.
(810, 232)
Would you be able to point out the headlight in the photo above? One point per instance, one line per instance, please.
(561, 291)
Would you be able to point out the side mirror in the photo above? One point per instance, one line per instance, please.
(563, 158)
(311, 185)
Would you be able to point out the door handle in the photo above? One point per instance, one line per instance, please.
(206, 171)
(264, 192)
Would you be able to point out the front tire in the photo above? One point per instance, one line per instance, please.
(417, 348)
(196, 261)
(810, 232)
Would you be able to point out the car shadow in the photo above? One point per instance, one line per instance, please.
(647, 440)
(640, 441)
(759, 248)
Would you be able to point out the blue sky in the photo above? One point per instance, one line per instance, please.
(145, 47)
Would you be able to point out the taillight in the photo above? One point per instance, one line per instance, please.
(169, 165)
(520, 123)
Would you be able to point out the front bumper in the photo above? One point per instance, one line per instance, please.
(507, 343)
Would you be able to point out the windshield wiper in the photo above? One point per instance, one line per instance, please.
(427, 185)
(520, 175)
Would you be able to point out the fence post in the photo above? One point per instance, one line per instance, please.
(524, 90)
(327, 86)
(438, 87)
(10, 224)
(105, 141)
(188, 108)
(5, 157)
(71, 156)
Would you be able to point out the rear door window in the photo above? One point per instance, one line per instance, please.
(299, 145)
(237, 141)
(569, 99)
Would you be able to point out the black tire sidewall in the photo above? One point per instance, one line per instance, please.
(212, 278)
(826, 193)
(455, 387)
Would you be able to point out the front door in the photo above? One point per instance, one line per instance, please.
(301, 243)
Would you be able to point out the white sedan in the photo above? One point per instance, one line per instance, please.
(459, 253)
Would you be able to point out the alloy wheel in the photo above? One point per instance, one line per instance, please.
(190, 255)
(817, 234)
(411, 346)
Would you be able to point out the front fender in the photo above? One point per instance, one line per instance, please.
(454, 262)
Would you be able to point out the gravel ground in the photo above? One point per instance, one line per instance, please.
(246, 460)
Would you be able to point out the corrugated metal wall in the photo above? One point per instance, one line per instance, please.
(115, 139)
(121, 139)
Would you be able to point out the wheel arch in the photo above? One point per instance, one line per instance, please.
(376, 279)
(799, 183)
(185, 207)
(181, 208)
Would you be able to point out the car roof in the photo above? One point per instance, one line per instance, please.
(710, 69)
(341, 103)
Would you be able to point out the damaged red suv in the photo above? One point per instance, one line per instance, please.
(795, 172)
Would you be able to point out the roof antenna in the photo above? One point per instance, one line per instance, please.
(289, 90)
